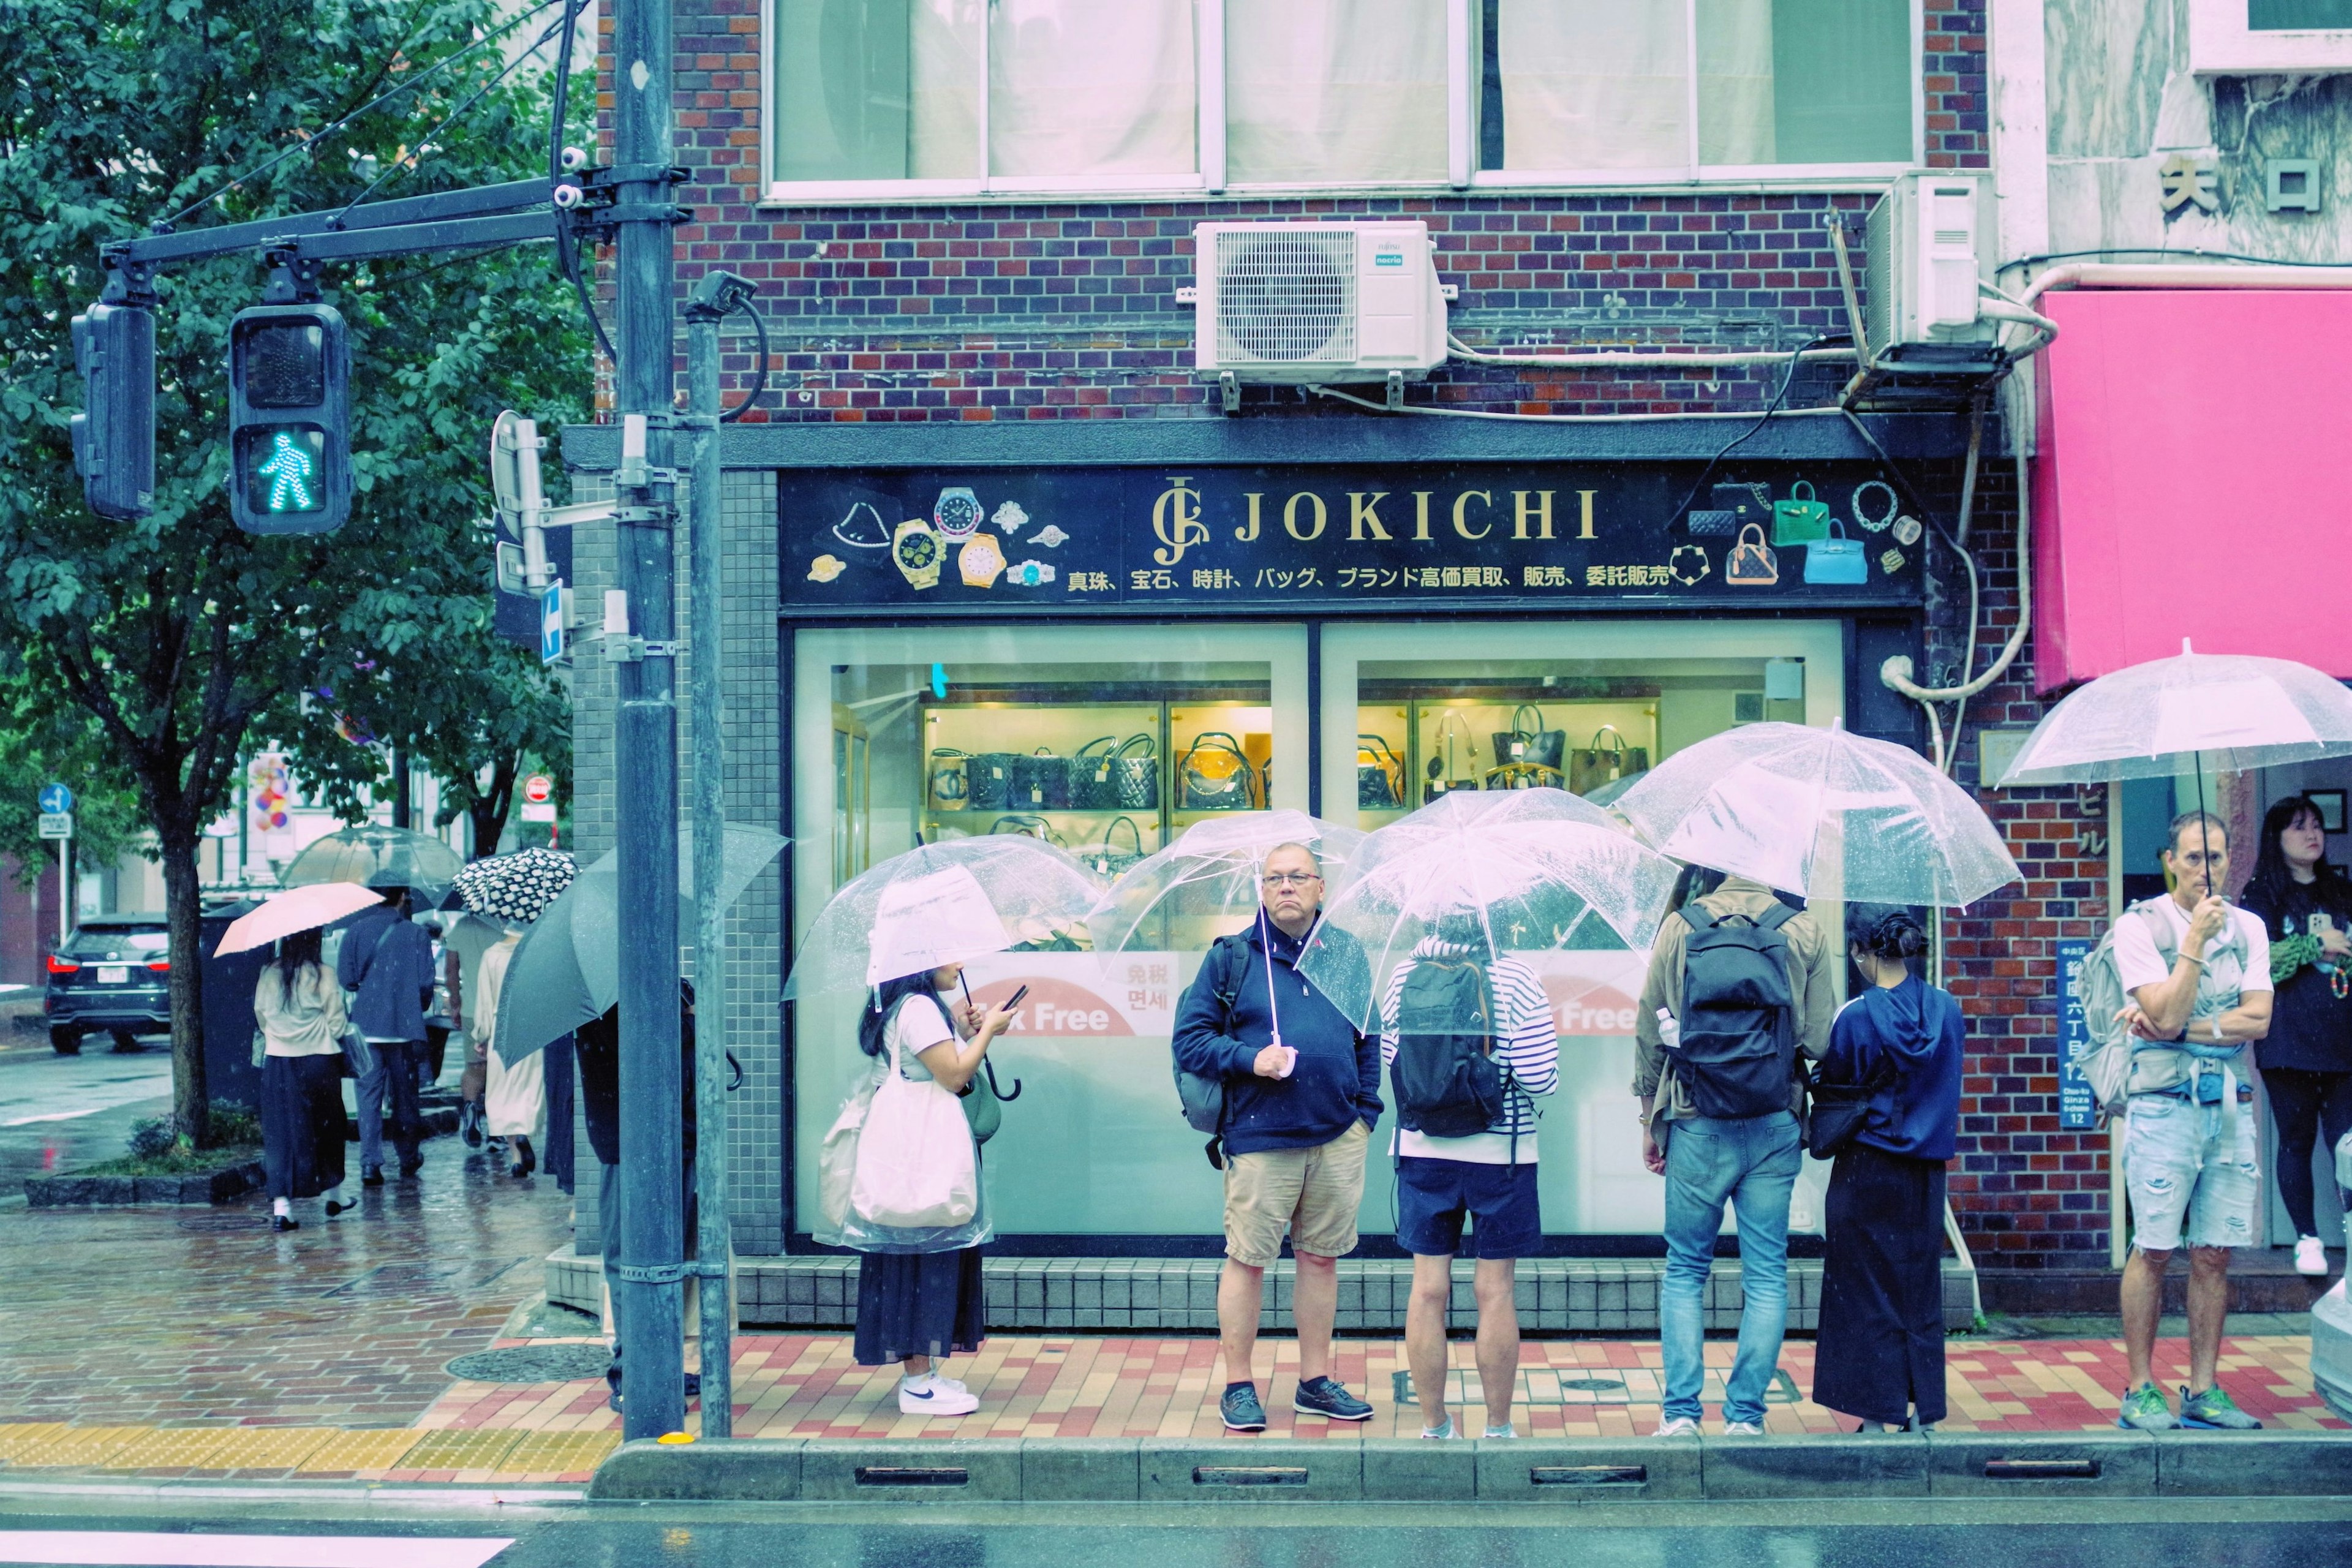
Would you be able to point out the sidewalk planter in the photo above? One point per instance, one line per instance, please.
(2039, 1464)
(1843, 1464)
(1589, 1470)
(225, 1186)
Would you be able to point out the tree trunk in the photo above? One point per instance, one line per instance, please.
(400, 781)
(489, 808)
(183, 912)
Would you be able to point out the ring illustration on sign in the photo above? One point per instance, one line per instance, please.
(956, 512)
(1010, 518)
(1030, 574)
(1050, 536)
(918, 554)
(1907, 531)
(863, 532)
(1862, 518)
(1688, 564)
(980, 561)
(1752, 564)
(1891, 563)
(825, 568)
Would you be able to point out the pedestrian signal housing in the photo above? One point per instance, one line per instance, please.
(114, 434)
(289, 419)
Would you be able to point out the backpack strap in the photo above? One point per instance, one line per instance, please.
(1779, 915)
(1697, 916)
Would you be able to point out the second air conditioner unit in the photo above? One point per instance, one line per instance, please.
(1301, 302)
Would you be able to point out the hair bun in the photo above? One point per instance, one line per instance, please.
(1895, 934)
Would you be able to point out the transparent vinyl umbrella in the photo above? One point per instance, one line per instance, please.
(944, 903)
(374, 856)
(1811, 810)
(1481, 880)
(1209, 876)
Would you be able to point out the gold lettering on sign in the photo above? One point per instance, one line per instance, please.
(1521, 513)
(1461, 505)
(1290, 517)
(1363, 513)
(1421, 515)
(1247, 532)
(1176, 520)
(1584, 513)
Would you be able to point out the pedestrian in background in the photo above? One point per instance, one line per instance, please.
(1739, 984)
(299, 1009)
(2306, 1059)
(462, 952)
(386, 962)
(514, 1094)
(1880, 1350)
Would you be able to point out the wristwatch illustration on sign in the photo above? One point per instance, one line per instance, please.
(980, 561)
(956, 512)
(918, 552)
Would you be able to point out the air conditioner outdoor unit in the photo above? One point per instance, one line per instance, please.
(1316, 301)
(1929, 240)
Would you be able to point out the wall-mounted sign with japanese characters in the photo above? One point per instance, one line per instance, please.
(1501, 534)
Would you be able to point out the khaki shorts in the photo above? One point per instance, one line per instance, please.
(1313, 1193)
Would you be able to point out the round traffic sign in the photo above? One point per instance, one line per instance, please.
(54, 799)
(537, 788)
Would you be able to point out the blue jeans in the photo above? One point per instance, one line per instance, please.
(1753, 1164)
(397, 1062)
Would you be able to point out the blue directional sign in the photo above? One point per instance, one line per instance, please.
(2076, 1111)
(550, 623)
(56, 799)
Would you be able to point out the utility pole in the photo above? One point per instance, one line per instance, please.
(649, 1300)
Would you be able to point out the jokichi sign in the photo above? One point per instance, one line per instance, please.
(1505, 533)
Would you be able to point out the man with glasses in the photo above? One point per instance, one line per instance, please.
(1302, 1092)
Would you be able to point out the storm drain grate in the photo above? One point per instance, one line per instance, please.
(532, 1363)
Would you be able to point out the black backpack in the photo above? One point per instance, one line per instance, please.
(1449, 1082)
(1204, 1098)
(1738, 1051)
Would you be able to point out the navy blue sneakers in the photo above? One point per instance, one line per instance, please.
(1241, 1409)
(1324, 1396)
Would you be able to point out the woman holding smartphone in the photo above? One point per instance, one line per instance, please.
(918, 1307)
(2306, 1060)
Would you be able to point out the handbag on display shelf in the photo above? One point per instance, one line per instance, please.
(1136, 773)
(1543, 748)
(950, 789)
(1214, 774)
(1751, 561)
(1449, 768)
(1380, 775)
(1523, 775)
(1033, 826)
(988, 781)
(1091, 785)
(1596, 766)
(1041, 781)
(1836, 559)
(1106, 859)
(1799, 520)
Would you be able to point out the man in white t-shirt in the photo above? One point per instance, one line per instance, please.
(2198, 975)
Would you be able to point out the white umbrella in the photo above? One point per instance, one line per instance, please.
(1783, 803)
(1210, 873)
(939, 904)
(297, 909)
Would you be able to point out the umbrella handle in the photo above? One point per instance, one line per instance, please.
(990, 1067)
(734, 1073)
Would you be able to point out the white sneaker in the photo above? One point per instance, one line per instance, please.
(1505, 1431)
(942, 1380)
(1677, 1426)
(1742, 1429)
(930, 1395)
(2310, 1257)
(1445, 1434)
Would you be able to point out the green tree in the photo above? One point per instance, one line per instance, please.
(178, 638)
(38, 743)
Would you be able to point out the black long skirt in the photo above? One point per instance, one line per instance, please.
(302, 1124)
(1879, 1349)
(918, 1303)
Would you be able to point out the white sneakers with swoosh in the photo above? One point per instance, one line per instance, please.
(931, 1395)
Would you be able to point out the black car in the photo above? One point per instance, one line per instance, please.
(113, 973)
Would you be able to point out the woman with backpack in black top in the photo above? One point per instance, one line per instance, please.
(2306, 1060)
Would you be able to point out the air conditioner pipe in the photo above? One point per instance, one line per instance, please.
(2206, 274)
(1616, 358)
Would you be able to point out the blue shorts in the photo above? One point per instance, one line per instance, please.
(1433, 1196)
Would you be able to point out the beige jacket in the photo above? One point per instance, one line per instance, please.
(311, 1024)
(1813, 981)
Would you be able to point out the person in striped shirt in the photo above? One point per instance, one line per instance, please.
(1488, 1178)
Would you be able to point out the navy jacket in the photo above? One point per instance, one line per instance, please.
(389, 962)
(1913, 1034)
(1336, 1081)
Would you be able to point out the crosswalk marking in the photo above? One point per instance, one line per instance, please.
(155, 1548)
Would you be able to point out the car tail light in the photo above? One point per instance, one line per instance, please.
(62, 965)
(159, 965)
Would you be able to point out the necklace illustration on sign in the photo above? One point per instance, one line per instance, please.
(861, 528)
(1863, 500)
(956, 514)
(917, 553)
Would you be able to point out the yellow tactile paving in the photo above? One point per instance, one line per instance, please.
(552, 1454)
(222, 1449)
(80, 1448)
(362, 1451)
(478, 1449)
(20, 1437)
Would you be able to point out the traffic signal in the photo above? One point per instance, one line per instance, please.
(290, 422)
(114, 434)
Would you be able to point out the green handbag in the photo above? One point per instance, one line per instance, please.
(983, 1108)
(1799, 520)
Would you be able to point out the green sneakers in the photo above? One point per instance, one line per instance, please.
(2145, 1411)
(2214, 1408)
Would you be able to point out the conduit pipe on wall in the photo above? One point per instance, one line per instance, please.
(1618, 359)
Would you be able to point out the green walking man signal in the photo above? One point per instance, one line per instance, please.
(289, 419)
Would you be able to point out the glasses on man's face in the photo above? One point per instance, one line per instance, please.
(1290, 878)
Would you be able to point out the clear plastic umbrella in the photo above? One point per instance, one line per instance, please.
(1806, 810)
(2232, 711)
(943, 903)
(1210, 875)
(1493, 874)
(374, 856)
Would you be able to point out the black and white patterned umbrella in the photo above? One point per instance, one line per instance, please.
(513, 888)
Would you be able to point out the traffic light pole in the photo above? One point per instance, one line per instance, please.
(648, 1299)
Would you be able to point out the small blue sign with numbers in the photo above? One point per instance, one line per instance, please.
(56, 799)
(2076, 1111)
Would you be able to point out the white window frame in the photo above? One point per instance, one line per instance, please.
(2221, 43)
(1463, 91)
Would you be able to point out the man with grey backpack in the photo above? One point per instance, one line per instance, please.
(2170, 999)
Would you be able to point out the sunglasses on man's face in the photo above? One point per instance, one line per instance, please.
(1290, 878)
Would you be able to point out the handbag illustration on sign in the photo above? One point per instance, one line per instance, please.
(1747, 503)
(1799, 520)
(1752, 564)
(1836, 559)
(1596, 764)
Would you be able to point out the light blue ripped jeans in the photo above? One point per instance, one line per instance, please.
(1752, 1164)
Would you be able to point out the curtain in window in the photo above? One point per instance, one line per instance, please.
(1604, 84)
(1737, 119)
(1335, 89)
(943, 130)
(1092, 86)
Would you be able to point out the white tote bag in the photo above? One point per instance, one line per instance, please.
(916, 1168)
